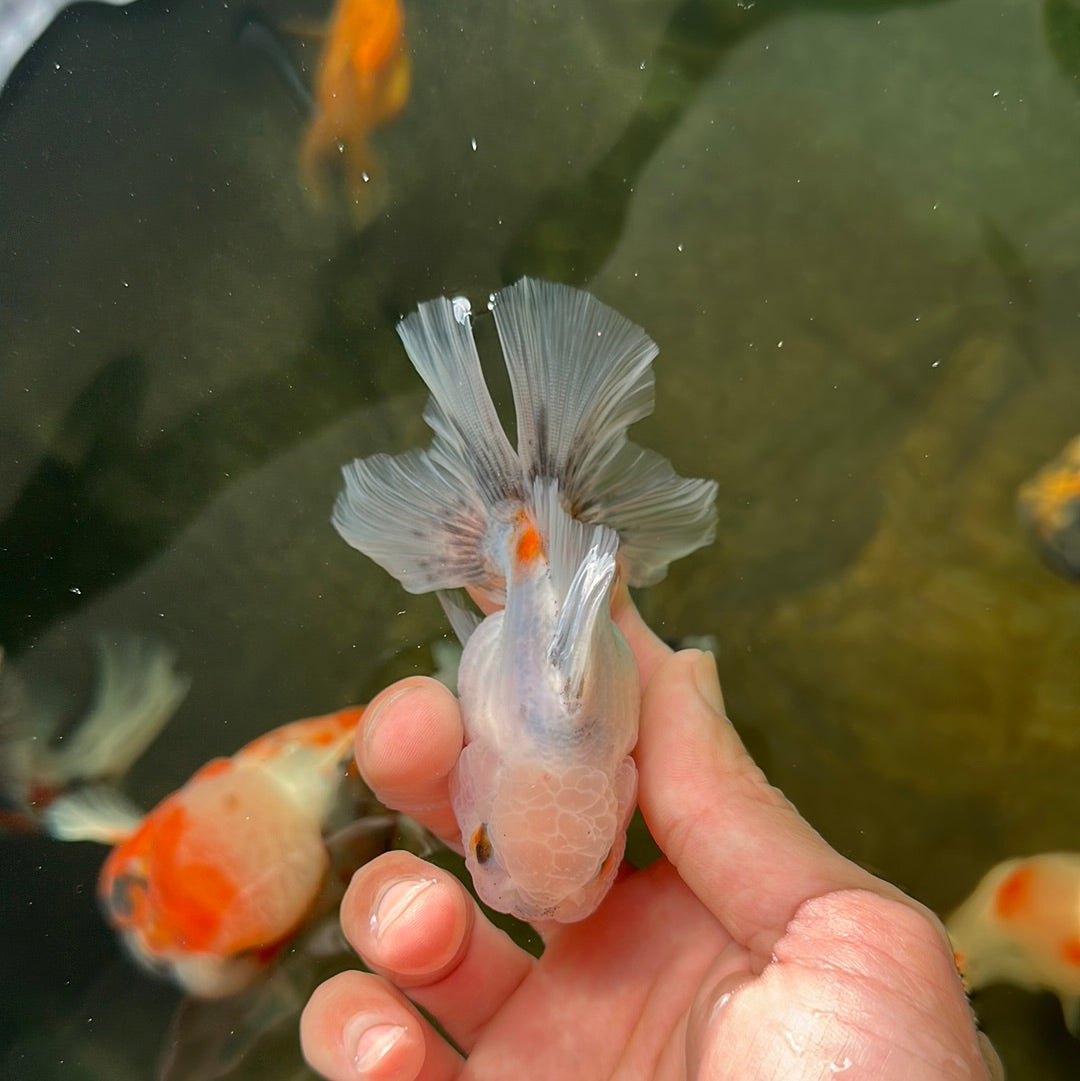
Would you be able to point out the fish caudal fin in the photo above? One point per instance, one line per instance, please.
(416, 515)
(138, 690)
(581, 375)
(96, 813)
(423, 515)
(438, 338)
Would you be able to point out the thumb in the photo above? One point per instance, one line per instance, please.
(735, 840)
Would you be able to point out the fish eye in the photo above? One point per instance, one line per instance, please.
(481, 844)
(121, 901)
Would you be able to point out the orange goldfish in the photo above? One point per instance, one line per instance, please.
(361, 83)
(1022, 926)
(210, 885)
(1049, 506)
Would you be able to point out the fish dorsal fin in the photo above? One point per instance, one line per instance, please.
(581, 374)
(582, 567)
(95, 813)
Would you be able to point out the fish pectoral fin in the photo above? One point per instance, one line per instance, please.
(95, 813)
(463, 621)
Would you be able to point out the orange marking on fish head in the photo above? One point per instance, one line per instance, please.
(188, 894)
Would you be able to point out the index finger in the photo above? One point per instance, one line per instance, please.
(408, 740)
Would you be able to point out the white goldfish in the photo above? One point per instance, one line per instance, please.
(1022, 925)
(545, 785)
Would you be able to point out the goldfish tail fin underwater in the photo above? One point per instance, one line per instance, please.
(424, 515)
(138, 690)
(580, 374)
(94, 813)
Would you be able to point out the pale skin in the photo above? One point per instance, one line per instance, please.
(752, 951)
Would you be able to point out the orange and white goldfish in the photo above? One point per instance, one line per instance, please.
(1022, 926)
(545, 786)
(1049, 506)
(361, 83)
(210, 885)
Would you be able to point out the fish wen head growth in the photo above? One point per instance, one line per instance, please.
(545, 785)
(208, 886)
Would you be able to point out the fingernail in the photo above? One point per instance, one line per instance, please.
(369, 1041)
(394, 901)
(707, 681)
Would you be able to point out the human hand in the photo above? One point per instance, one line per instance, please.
(752, 950)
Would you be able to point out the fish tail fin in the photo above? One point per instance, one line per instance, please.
(95, 813)
(581, 375)
(138, 690)
(424, 515)
(581, 558)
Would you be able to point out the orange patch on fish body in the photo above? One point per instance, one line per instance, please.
(1014, 894)
(1070, 952)
(362, 82)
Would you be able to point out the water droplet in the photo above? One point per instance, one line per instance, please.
(462, 309)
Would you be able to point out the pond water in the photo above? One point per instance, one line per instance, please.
(852, 227)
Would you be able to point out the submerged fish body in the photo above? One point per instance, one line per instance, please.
(1049, 507)
(361, 82)
(208, 886)
(1021, 925)
(545, 785)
